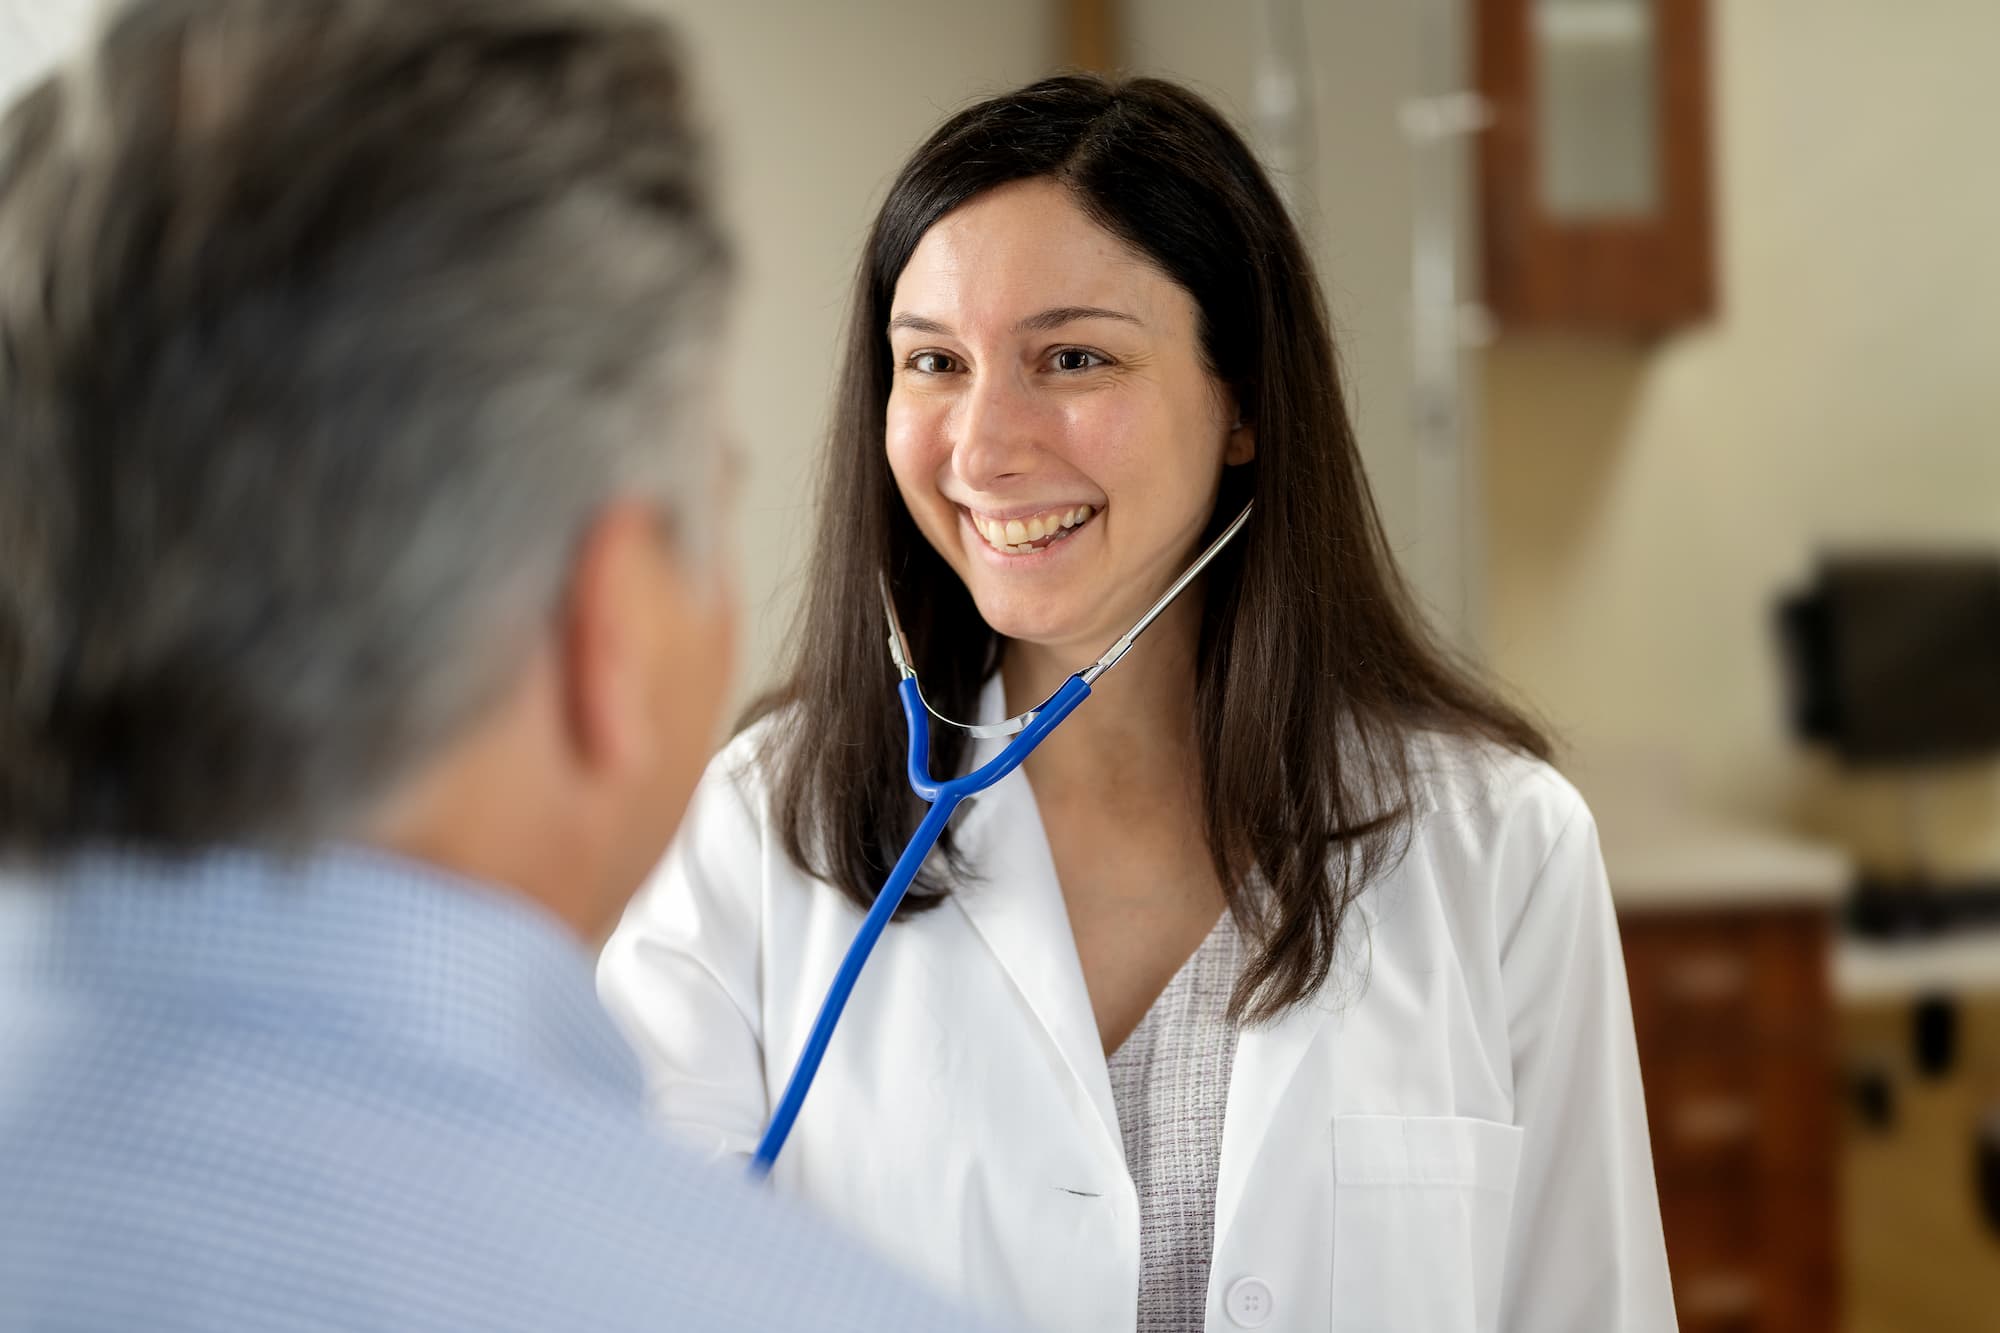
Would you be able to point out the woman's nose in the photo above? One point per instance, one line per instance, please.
(996, 431)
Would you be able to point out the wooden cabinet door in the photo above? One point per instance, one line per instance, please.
(1594, 173)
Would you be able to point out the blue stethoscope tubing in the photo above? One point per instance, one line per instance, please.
(1028, 730)
(944, 798)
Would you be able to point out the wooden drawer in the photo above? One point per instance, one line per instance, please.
(1719, 1276)
(1740, 1113)
(1726, 978)
(1735, 1030)
(1752, 1260)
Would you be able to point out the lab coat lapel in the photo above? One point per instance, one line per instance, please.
(1267, 1061)
(1269, 1058)
(1016, 906)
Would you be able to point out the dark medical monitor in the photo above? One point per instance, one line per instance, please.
(1895, 658)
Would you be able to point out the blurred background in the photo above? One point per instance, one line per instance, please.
(1670, 327)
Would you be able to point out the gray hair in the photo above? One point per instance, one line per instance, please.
(326, 327)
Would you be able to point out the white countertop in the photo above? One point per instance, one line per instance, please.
(1664, 853)
(1689, 864)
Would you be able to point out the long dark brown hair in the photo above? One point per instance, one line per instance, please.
(1313, 668)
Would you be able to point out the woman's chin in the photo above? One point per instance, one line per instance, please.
(1039, 625)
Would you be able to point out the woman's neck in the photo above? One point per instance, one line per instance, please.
(1135, 733)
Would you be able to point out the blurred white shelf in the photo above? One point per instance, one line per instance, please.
(1967, 961)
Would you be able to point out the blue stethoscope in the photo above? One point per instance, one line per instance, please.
(1028, 730)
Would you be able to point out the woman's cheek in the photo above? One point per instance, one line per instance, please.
(902, 442)
(1106, 437)
(916, 462)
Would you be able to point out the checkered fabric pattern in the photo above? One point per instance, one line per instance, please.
(348, 1092)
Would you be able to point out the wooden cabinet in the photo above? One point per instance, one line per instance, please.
(1736, 1045)
(1594, 171)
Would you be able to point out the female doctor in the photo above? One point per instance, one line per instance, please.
(1280, 988)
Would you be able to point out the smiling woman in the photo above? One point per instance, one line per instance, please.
(1287, 955)
(1008, 420)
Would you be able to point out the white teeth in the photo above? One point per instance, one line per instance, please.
(1018, 536)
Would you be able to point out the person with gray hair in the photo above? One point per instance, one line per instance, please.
(363, 624)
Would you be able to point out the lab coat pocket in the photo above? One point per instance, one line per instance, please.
(1420, 1217)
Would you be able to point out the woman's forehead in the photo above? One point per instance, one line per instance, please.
(1016, 252)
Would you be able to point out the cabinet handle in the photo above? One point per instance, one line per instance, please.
(1709, 1122)
(1719, 1296)
(1708, 978)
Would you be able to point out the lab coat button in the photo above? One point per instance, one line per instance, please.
(1248, 1302)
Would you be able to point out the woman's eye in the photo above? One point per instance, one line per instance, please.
(1075, 358)
(931, 363)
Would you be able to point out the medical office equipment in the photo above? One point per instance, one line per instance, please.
(1028, 729)
(1893, 659)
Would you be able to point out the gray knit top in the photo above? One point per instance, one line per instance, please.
(1170, 1081)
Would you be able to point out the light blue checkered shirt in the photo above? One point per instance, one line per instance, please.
(351, 1093)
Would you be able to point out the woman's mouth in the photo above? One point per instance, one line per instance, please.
(1029, 533)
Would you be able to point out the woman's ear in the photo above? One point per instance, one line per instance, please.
(1241, 444)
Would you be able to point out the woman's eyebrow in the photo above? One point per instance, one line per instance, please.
(1070, 314)
(918, 324)
(1042, 322)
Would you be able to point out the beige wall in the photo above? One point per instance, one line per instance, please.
(1646, 503)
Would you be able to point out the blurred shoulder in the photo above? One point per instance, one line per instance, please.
(670, 1231)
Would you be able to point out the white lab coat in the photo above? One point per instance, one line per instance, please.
(1451, 1137)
